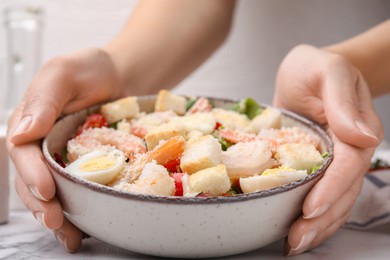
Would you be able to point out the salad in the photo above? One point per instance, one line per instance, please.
(188, 147)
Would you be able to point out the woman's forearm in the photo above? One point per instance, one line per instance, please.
(370, 53)
(165, 40)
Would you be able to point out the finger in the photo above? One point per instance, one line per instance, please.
(30, 165)
(69, 236)
(367, 111)
(41, 105)
(331, 230)
(320, 238)
(64, 85)
(49, 213)
(346, 97)
(307, 233)
(349, 163)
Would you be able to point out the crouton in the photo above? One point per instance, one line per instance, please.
(164, 132)
(202, 122)
(202, 153)
(124, 126)
(298, 156)
(269, 118)
(246, 159)
(214, 181)
(124, 108)
(193, 136)
(167, 101)
(151, 120)
(231, 119)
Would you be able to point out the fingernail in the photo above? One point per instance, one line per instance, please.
(364, 129)
(23, 125)
(40, 217)
(84, 235)
(60, 236)
(304, 244)
(36, 193)
(317, 212)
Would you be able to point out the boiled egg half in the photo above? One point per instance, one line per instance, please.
(99, 166)
(271, 178)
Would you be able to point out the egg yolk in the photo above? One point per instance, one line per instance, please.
(277, 170)
(98, 164)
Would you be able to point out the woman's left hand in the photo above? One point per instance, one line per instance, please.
(327, 89)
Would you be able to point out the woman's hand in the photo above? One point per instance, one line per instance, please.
(325, 88)
(148, 54)
(64, 85)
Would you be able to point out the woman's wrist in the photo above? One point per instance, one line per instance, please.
(368, 52)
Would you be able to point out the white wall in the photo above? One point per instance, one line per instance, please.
(264, 31)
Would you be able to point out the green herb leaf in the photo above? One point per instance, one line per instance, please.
(315, 168)
(64, 155)
(190, 102)
(249, 107)
(225, 144)
(113, 125)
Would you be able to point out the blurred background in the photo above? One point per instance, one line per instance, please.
(263, 32)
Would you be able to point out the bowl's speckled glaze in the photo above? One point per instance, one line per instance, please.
(178, 226)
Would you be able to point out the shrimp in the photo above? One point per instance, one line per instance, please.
(201, 105)
(237, 136)
(154, 180)
(287, 135)
(274, 137)
(97, 138)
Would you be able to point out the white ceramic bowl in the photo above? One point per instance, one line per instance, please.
(178, 226)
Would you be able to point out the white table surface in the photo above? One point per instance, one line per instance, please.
(24, 238)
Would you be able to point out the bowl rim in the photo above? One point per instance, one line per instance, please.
(198, 200)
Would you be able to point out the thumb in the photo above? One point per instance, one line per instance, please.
(65, 84)
(32, 121)
(42, 103)
(348, 109)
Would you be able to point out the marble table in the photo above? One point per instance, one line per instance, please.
(24, 238)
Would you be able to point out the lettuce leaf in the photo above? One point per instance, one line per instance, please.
(248, 107)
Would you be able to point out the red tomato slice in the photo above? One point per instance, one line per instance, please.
(217, 125)
(178, 183)
(92, 121)
(173, 165)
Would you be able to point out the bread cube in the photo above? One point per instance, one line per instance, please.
(202, 122)
(247, 159)
(200, 154)
(269, 118)
(214, 181)
(193, 136)
(299, 156)
(167, 101)
(271, 178)
(124, 126)
(163, 132)
(231, 119)
(124, 108)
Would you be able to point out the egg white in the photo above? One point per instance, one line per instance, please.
(98, 173)
(271, 178)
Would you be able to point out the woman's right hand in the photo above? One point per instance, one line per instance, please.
(64, 85)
